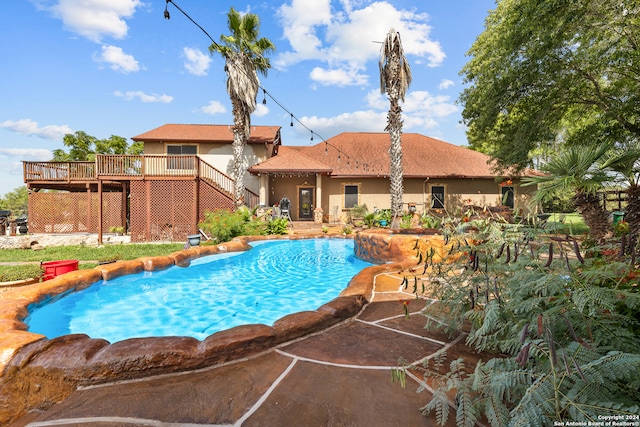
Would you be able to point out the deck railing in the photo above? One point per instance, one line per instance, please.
(58, 171)
(127, 167)
(144, 166)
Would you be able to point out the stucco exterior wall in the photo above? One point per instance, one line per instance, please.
(220, 156)
(374, 192)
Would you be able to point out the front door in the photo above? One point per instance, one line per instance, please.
(305, 207)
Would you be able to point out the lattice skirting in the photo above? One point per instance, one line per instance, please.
(162, 210)
(170, 210)
(62, 212)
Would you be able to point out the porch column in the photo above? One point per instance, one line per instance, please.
(318, 190)
(318, 211)
(264, 189)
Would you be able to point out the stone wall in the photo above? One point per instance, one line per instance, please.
(386, 245)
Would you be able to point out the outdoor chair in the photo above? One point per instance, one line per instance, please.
(333, 215)
(285, 206)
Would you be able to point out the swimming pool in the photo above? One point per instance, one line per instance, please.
(216, 292)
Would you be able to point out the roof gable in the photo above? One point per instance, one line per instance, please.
(198, 133)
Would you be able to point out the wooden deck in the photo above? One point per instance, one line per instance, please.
(114, 170)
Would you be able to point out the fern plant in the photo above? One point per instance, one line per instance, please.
(562, 325)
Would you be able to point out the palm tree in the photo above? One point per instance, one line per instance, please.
(395, 78)
(578, 169)
(244, 58)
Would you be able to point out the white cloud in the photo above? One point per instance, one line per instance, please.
(420, 112)
(196, 62)
(422, 103)
(260, 111)
(143, 97)
(30, 128)
(300, 19)
(214, 107)
(357, 121)
(347, 40)
(445, 84)
(93, 19)
(118, 60)
(36, 154)
(338, 77)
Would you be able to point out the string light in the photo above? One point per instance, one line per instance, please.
(266, 93)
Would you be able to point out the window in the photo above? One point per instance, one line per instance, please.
(437, 197)
(506, 192)
(181, 150)
(351, 195)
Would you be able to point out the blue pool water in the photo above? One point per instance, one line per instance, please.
(216, 292)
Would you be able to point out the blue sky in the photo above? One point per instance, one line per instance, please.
(117, 67)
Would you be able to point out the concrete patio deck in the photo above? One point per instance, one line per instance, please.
(338, 377)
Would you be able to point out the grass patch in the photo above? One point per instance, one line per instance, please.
(89, 257)
(566, 223)
(87, 253)
(19, 272)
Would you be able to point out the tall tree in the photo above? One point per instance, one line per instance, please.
(17, 201)
(395, 78)
(81, 146)
(538, 62)
(244, 55)
(84, 147)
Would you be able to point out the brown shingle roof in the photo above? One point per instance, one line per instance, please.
(207, 133)
(290, 159)
(362, 154)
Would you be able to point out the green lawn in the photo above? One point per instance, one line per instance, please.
(569, 223)
(90, 255)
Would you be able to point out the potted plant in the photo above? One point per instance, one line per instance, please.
(385, 217)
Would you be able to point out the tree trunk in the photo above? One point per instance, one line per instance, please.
(632, 216)
(239, 142)
(596, 218)
(395, 152)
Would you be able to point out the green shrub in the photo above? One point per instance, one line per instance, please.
(371, 219)
(277, 226)
(359, 211)
(562, 324)
(406, 220)
(223, 225)
(430, 221)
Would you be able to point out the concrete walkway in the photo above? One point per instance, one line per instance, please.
(338, 377)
